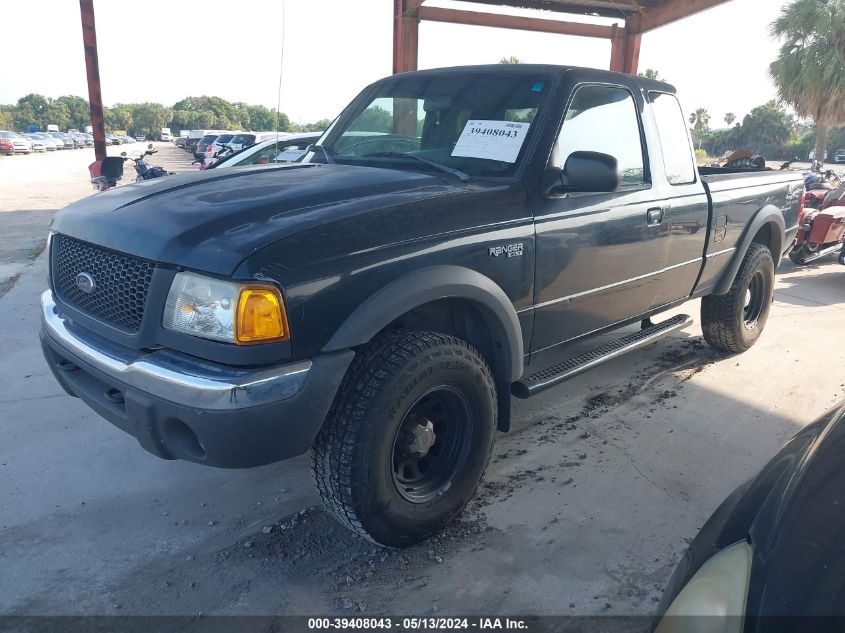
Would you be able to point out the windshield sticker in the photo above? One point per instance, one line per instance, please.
(493, 140)
(538, 87)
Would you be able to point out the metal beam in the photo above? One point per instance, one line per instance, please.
(92, 68)
(599, 8)
(475, 18)
(670, 11)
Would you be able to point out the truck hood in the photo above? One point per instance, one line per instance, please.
(213, 220)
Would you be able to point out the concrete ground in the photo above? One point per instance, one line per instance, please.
(585, 508)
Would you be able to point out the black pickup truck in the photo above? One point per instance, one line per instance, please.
(380, 302)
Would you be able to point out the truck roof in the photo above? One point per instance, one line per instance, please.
(587, 74)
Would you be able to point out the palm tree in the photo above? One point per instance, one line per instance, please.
(810, 70)
(730, 117)
(700, 120)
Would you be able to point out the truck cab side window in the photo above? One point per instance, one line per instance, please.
(603, 119)
(674, 138)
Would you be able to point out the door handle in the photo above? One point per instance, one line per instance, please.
(654, 216)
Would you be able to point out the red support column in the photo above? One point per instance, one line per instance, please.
(92, 67)
(632, 53)
(624, 51)
(406, 26)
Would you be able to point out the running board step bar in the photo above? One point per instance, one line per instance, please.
(830, 250)
(542, 380)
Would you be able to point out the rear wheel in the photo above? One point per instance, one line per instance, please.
(408, 438)
(733, 322)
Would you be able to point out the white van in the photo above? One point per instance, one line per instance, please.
(166, 136)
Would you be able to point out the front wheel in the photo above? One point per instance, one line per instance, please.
(733, 322)
(408, 437)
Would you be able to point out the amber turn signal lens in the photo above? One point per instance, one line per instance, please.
(261, 315)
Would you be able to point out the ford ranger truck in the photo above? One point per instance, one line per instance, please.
(437, 252)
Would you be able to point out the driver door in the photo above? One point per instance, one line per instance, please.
(599, 255)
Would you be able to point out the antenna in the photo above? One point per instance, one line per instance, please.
(281, 71)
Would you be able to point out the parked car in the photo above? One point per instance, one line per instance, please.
(38, 144)
(380, 302)
(62, 139)
(14, 143)
(290, 149)
(180, 141)
(245, 139)
(771, 559)
(7, 145)
(839, 156)
(52, 143)
(140, 137)
(221, 140)
(204, 144)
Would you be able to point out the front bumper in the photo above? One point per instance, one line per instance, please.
(181, 407)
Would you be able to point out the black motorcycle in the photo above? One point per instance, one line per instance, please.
(106, 172)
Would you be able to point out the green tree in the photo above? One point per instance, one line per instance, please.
(119, 117)
(30, 110)
(262, 118)
(650, 73)
(510, 60)
(79, 112)
(6, 116)
(768, 124)
(810, 69)
(58, 114)
(730, 117)
(149, 118)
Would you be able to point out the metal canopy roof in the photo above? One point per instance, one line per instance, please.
(647, 14)
(634, 17)
(603, 8)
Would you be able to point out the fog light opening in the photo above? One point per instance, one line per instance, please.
(181, 438)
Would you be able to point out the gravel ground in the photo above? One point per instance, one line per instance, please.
(585, 509)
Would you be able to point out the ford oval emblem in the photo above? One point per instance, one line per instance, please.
(85, 282)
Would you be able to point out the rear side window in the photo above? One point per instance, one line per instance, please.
(674, 138)
(603, 119)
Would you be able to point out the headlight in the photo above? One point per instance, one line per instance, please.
(225, 311)
(719, 588)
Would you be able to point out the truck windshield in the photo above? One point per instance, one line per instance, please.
(475, 123)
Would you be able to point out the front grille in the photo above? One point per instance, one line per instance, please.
(121, 282)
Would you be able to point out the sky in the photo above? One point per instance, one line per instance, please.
(328, 50)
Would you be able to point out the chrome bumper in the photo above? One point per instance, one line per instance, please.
(173, 376)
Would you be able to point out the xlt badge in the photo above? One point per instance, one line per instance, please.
(507, 250)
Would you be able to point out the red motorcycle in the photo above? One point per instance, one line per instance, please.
(821, 222)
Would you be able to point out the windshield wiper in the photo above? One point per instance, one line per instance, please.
(463, 176)
(326, 153)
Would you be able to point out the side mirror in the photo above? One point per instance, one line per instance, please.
(588, 172)
(150, 146)
(123, 153)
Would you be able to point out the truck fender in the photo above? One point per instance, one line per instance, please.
(431, 284)
(768, 215)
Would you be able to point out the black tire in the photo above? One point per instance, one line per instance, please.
(733, 322)
(404, 393)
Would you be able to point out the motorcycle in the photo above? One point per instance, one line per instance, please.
(818, 184)
(106, 172)
(822, 219)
